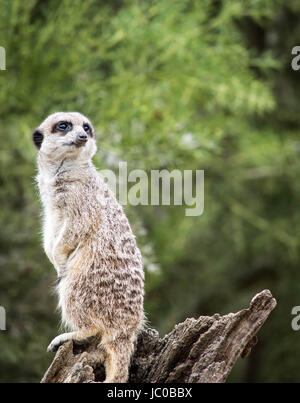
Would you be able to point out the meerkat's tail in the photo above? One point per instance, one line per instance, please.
(118, 354)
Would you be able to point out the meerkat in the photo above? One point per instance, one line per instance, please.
(88, 239)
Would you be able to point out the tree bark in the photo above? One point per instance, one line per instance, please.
(196, 350)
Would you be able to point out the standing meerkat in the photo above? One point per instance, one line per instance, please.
(89, 241)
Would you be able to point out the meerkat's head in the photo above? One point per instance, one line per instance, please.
(66, 135)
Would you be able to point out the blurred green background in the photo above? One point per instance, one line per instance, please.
(168, 84)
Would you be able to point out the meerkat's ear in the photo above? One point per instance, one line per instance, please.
(37, 138)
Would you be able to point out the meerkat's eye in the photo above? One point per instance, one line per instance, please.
(63, 127)
(87, 128)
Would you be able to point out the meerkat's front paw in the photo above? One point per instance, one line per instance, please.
(62, 338)
(57, 342)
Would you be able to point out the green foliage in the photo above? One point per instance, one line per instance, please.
(169, 84)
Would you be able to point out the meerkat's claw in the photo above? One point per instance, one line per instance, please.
(53, 346)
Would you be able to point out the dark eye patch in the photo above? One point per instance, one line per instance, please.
(87, 128)
(37, 138)
(62, 127)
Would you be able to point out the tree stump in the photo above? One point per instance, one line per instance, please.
(196, 350)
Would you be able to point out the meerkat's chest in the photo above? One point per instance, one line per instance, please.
(52, 217)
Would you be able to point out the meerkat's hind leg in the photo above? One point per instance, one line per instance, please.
(118, 354)
(78, 337)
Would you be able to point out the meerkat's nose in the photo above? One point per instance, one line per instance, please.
(82, 137)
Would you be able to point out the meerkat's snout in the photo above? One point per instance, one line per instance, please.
(81, 139)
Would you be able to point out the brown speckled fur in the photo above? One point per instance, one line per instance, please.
(88, 239)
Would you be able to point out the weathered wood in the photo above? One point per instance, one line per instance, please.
(197, 350)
